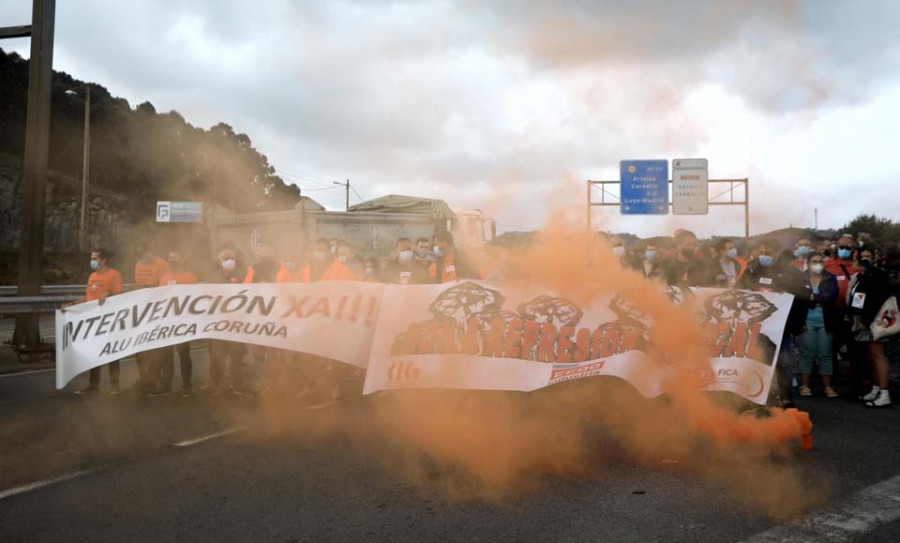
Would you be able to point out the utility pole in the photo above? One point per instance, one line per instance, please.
(85, 174)
(347, 188)
(34, 168)
(816, 211)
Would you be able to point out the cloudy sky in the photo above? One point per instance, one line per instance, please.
(509, 106)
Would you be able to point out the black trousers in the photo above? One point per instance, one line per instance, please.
(113, 374)
(167, 366)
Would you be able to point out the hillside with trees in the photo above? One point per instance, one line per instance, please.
(139, 152)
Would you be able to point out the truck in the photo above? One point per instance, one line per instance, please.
(371, 228)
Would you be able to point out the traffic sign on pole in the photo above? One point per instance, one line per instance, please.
(690, 186)
(644, 187)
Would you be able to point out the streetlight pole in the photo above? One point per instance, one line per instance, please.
(347, 188)
(85, 172)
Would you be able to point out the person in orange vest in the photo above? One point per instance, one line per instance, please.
(102, 283)
(324, 267)
(178, 275)
(290, 271)
(449, 266)
(148, 270)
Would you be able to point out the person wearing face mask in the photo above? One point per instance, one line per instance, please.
(814, 342)
(223, 353)
(102, 283)
(647, 262)
(323, 266)
(424, 254)
(801, 255)
(370, 271)
(178, 275)
(449, 265)
(728, 267)
(868, 291)
(290, 271)
(403, 268)
(842, 265)
(686, 267)
(771, 271)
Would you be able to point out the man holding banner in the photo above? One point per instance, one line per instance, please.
(102, 283)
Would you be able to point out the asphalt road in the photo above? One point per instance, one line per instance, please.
(227, 468)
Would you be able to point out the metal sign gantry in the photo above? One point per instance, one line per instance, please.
(743, 186)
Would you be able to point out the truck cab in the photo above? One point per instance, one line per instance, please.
(471, 229)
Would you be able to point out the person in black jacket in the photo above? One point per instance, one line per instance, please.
(771, 271)
(869, 289)
(822, 318)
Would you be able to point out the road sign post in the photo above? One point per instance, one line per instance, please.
(690, 186)
(644, 187)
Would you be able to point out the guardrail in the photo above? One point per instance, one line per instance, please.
(29, 305)
(46, 289)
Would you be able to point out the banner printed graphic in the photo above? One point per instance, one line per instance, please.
(330, 319)
(477, 335)
(469, 335)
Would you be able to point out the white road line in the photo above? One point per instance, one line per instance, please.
(40, 484)
(29, 372)
(190, 442)
(322, 405)
(855, 516)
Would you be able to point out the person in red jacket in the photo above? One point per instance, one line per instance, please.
(842, 265)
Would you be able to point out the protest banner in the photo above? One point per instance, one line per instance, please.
(330, 319)
(466, 335)
(476, 335)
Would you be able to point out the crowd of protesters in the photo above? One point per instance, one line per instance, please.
(429, 260)
(839, 286)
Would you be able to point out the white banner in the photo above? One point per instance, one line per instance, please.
(330, 319)
(475, 335)
(467, 335)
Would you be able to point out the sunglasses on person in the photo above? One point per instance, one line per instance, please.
(845, 246)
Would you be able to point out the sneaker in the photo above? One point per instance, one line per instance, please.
(830, 393)
(187, 393)
(87, 390)
(805, 391)
(882, 400)
(114, 390)
(871, 395)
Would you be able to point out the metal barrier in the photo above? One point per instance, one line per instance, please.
(46, 289)
(29, 305)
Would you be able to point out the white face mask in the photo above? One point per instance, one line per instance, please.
(816, 268)
(228, 264)
(405, 256)
(342, 258)
(618, 250)
(437, 251)
(290, 265)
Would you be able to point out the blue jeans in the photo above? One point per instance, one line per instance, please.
(815, 345)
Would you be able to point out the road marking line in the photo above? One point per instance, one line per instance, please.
(29, 372)
(190, 442)
(856, 515)
(322, 405)
(41, 484)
